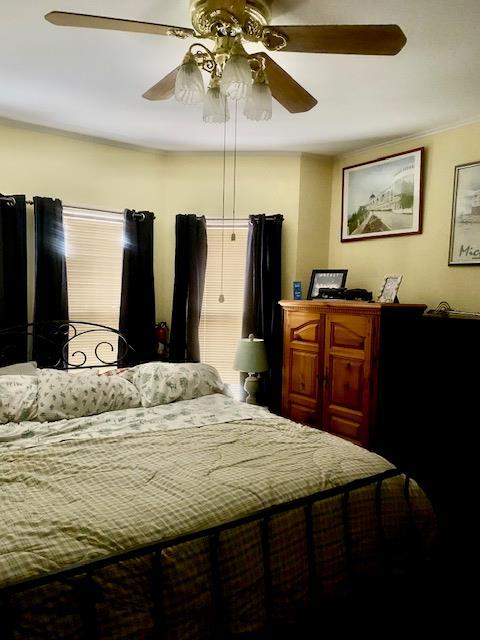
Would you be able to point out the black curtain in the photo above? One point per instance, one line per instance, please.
(13, 273)
(190, 265)
(51, 293)
(137, 307)
(261, 312)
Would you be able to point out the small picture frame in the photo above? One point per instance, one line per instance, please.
(326, 279)
(389, 289)
(297, 290)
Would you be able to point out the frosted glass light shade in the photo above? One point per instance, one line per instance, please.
(259, 102)
(215, 107)
(189, 88)
(236, 77)
(251, 355)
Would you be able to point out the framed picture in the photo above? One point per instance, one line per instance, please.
(465, 226)
(383, 197)
(326, 279)
(389, 289)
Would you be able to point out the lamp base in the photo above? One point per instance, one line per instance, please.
(251, 387)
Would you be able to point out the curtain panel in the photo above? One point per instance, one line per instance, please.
(190, 265)
(137, 306)
(13, 273)
(262, 314)
(51, 293)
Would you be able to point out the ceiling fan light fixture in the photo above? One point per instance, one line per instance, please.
(189, 87)
(258, 105)
(215, 106)
(236, 77)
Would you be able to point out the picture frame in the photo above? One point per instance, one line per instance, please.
(465, 224)
(383, 197)
(326, 279)
(389, 289)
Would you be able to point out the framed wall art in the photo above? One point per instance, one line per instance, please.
(465, 225)
(383, 197)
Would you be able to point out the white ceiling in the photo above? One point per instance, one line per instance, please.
(91, 81)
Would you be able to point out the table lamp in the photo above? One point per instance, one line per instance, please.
(251, 358)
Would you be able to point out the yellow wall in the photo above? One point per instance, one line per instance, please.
(265, 184)
(79, 172)
(306, 189)
(421, 259)
(85, 172)
(313, 217)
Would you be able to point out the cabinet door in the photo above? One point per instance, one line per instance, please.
(347, 375)
(303, 338)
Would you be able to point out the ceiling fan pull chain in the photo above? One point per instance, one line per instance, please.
(221, 297)
(233, 236)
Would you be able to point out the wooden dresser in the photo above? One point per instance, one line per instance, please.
(345, 363)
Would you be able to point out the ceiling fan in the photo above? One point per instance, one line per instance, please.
(231, 23)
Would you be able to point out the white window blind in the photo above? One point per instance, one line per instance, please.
(221, 323)
(94, 254)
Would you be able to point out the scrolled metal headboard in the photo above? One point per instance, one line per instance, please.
(62, 344)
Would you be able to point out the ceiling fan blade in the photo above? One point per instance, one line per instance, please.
(164, 89)
(285, 89)
(368, 39)
(64, 19)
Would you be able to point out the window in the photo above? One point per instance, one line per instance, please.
(221, 323)
(94, 254)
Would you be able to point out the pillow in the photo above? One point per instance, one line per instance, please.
(18, 398)
(63, 395)
(20, 369)
(165, 382)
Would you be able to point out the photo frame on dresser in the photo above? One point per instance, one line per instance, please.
(326, 279)
(389, 289)
(383, 197)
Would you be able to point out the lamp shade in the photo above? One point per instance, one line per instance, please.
(189, 87)
(259, 101)
(251, 356)
(215, 107)
(237, 77)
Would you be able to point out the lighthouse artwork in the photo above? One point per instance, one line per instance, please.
(383, 197)
(465, 227)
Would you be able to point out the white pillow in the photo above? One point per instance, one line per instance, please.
(18, 398)
(63, 395)
(20, 369)
(165, 382)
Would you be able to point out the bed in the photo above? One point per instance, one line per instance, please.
(150, 504)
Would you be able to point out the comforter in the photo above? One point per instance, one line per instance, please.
(78, 489)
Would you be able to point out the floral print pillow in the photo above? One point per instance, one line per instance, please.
(165, 382)
(64, 395)
(18, 398)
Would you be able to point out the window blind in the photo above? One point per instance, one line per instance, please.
(94, 254)
(221, 323)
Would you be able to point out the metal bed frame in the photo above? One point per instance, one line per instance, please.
(56, 340)
(81, 576)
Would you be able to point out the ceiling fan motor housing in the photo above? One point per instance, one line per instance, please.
(210, 19)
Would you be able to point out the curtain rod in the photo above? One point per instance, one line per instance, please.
(74, 206)
(227, 220)
(12, 202)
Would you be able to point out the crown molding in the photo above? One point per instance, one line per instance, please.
(412, 136)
